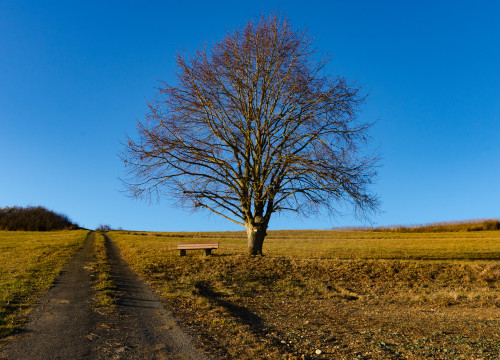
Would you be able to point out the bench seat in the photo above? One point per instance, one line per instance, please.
(208, 246)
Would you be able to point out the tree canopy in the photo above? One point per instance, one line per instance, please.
(255, 126)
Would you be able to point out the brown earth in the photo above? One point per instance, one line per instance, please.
(279, 308)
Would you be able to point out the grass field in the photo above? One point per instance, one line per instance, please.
(331, 294)
(29, 264)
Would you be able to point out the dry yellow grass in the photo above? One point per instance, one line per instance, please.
(367, 295)
(336, 244)
(29, 264)
(105, 298)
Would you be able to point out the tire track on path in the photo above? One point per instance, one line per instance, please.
(65, 326)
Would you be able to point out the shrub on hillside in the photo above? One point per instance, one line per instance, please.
(491, 225)
(103, 227)
(33, 219)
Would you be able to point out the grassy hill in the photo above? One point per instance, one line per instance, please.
(29, 264)
(331, 294)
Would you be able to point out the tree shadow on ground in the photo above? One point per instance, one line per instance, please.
(241, 313)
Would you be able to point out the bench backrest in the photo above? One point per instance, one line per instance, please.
(199, 245)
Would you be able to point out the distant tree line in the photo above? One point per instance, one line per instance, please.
(33, 219)
(451, 226)
(473, 225)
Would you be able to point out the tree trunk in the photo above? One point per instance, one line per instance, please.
(255, 234)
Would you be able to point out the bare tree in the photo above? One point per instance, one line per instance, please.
(253, 127)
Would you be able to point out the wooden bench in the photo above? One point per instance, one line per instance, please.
(205, 245)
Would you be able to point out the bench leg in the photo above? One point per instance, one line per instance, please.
(208, 252)
(183, 252)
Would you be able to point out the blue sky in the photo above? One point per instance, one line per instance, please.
(75, 78)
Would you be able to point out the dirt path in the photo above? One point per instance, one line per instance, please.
(64, 326)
